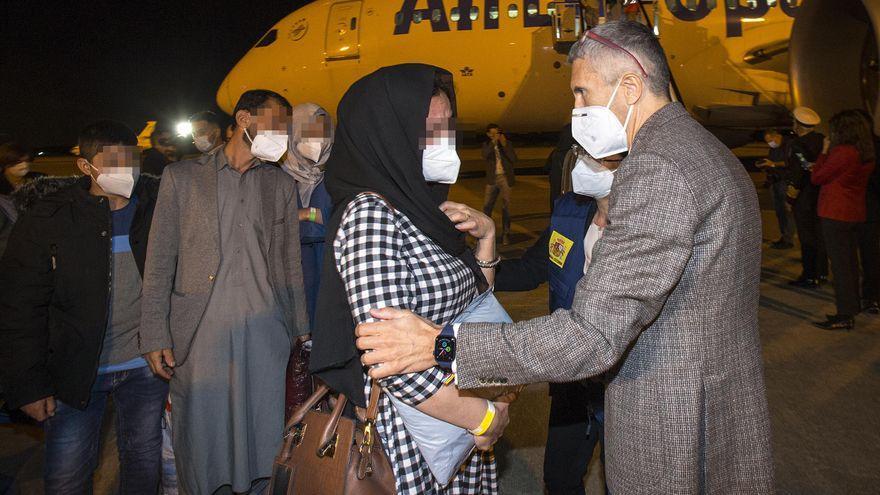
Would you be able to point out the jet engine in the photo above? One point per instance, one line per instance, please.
(833, 56)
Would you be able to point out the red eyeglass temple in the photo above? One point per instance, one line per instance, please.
(605, 41)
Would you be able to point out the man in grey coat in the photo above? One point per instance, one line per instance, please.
(223, 299)
(668, 308)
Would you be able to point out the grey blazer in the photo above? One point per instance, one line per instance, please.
(184, 253)
(669, 308)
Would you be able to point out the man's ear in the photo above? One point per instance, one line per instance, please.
(83, 165)
(633, 87)
(243, 119)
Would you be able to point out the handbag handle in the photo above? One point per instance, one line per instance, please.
(293, 432)
(328, 436)
(307, 406)
(365, 449)
(373, 406)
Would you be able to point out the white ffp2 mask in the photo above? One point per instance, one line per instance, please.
(267, 145)
(118, 183)
(204, 143)
(310, 149)
(591, 178)
(598, 130)
(440, 162)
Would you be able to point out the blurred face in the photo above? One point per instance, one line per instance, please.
(164, 143)
(316, 130)
(113, 159)
(773, 137)
(440, 162)
(205, 129)
(439, 125)
(18, 170)
(493, 133)
(314, 138)
(271, 118)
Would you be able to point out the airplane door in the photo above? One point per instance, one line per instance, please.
(343, 41)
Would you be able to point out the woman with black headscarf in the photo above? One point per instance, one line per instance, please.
(392, 245)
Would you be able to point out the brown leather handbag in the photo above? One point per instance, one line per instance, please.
(328, 454)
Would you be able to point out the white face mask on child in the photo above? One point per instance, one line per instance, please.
(118, 183)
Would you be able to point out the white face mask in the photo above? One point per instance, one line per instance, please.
(591, 178)
(598, 130)
(773, 144)
(268, 146)
(118, 183)
(440, 162)
(310, 149)
(204, 143)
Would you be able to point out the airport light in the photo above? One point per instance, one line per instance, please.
(184, 129)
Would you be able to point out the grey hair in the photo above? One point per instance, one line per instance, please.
(639, 41)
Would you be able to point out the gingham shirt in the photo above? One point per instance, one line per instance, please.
(385, 261)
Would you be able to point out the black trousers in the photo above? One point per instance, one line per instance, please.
(806, 218)
(842, 242)
(869, 253)
(574, 430)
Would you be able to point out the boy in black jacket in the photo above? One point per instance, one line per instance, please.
(70, 285)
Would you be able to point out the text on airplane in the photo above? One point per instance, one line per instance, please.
(465, 14)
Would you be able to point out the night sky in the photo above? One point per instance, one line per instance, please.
(64, 64)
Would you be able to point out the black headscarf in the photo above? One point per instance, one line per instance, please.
(381, 120)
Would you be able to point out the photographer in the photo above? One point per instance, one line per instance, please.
(500, 158)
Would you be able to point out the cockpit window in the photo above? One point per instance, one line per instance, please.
(268, 39)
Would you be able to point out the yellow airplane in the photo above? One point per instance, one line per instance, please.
(730, 59)
(143, 138)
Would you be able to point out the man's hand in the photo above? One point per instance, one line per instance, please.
(502, 139)
(485, 441)
(403, 343)
(40, 410)
(159, 360)
(826, 145)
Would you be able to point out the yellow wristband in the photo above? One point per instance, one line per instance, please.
(487, 421)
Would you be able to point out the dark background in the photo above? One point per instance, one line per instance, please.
(65, 64)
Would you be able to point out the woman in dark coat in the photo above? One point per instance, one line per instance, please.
(842, 171)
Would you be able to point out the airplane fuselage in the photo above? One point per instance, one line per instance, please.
(504, 61)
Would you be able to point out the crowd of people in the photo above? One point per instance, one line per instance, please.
(206, 296)
(830, 186)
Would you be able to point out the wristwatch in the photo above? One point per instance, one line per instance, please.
(444, 347)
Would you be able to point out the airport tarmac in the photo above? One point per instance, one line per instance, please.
(823, 387)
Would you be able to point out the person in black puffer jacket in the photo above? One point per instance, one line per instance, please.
(70, 288)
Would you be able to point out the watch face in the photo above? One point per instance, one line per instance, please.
(444, 349)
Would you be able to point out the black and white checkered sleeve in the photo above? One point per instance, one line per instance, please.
(368, 249)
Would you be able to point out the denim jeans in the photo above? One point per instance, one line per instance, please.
(74, 436)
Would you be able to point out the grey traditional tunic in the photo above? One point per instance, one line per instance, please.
(228, 396)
